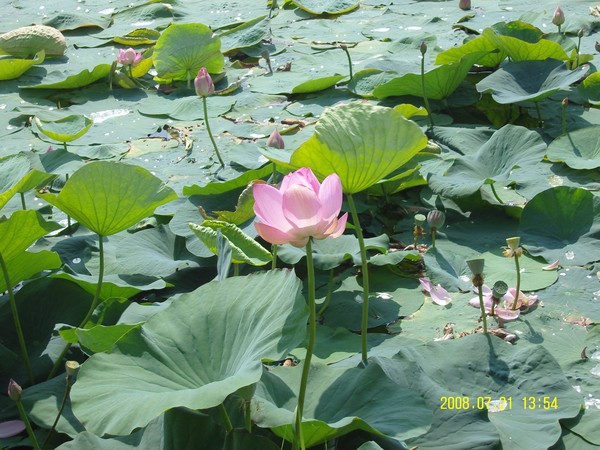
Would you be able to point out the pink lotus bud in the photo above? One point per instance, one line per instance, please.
(565, 101)
(423, 47)
(558, 18)
(597, 46)
(302, 208)
(204, 84)
(14, 390)
(275, 140)
(465, 5)
(129, 57)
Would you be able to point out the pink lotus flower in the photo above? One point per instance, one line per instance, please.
(300, 209)
(505, 311)
(558, 18)
(204, 84)
(438, 294)
(129, 57)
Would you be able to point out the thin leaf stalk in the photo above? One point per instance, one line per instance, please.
(481, 305)
(328, 296)
(495, 194)
(23, 204)
(60, 410)
(274, 253)
(93, 306)
(312, 332)
(226, 419)
(210, 135)
(16, 320)
(25, 420)
(425, 99)
(365, 278)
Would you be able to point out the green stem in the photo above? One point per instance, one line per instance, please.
(236, 270)
(328, 296)
(274, 173)
(23, 205)
(16, 320)
(496, 196)
(483, 314)
(93, 306)
(433, 233)
(425, 99)
(564, 119)
(517, 266)
(62, 407)
(345, 48)
(189, 79)
(24, 418)
(274, 253)
(68, 216)
(365, 278)
(539, 114)
(212, 139)
(248, 416)
(312, 332)
(226, 419)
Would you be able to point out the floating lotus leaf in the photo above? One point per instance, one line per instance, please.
(579, 149)
(529, 80)
(326, 6)
(11, 68)
(66, 129)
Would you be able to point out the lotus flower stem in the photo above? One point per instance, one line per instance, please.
(517, 292)
(539, 114)
(226, 419)
(365, 276)
(93, 306)
(564, 104)
(248, 416)
(496, 196)
(16, 320)
(345, 48)
(274, 253)
(210, 135)
(425, 99)
(25, 420)
(328, 296)
(312, 332)
(483, 313)
(23, 205)
(68, 386)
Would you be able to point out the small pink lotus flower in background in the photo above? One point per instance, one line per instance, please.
(300, 209)
(14, 390)
(204, 84)
(438, 294)
(275, 140)
(558, 18)
(129, 57)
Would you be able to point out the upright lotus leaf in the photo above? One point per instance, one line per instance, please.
(485, 367)
(66, 129)
(562, 223)
(205, 346)
(326, 6)
(340, 400)
(525, 44)
(479, 44)
(21, 230)
(510, 147)
(26, 264)
(108, 197)
(183, 49)
(440, 82)
(17, 176)
(579, 149)
(244, 248)
(11, 68)
(529, 80)
(361, 143)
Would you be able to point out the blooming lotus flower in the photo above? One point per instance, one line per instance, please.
(204, 84)
(129, 57)
(438, 294)
(300, 209)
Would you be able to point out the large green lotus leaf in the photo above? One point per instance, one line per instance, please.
(350, 394)
(589, 88)
(390, 297)
(440, 82)
(523, 42)
(509, 147)
(66, 129)
(99, 338)
(113, 285)
(479, 44)
(26, 264)
(108, 197)
(361, 143)
(183, 49)
(485, 366)
(529, 80)
(218, 187)
(562, 223)
(11, 68)
(331, 253)
(17, 176)
(186, 108)
(579, 149)
(21, 230)
(326, 6)
(60, 80)
(187, 355)
(245, 35)
(244, 248)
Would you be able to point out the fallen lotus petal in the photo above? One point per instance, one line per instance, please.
(507, 314)
(438, 294)
(11, 428)
(552, 266)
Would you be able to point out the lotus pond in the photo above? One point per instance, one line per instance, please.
(333, 224)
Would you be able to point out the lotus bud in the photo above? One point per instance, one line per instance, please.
(558, 18)
(14, 390)
(465, 5)
(499, 289)
(423, 47)
(275, 140)
(597, 46)
(204, 84)
(436, 218)
(71, 367)
(565, 102)
(420, 220)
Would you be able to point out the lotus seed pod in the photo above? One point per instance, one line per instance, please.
(499, 289)
(14, 390)
(420, 220)
(513, 243)
(71, 367)
(436, 218)
(465, 5)
(558, 18)
(476, 265)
